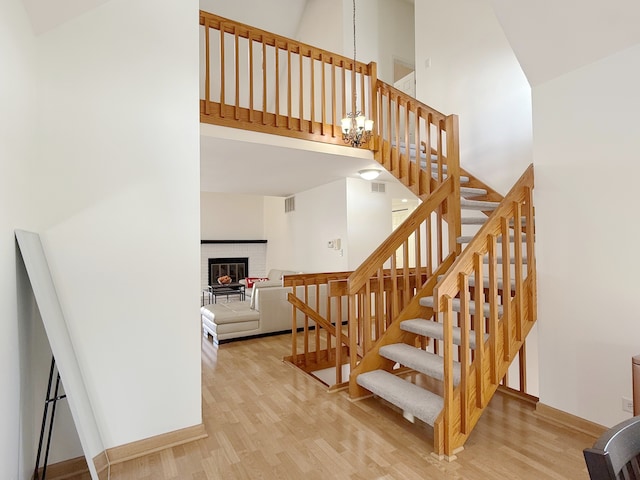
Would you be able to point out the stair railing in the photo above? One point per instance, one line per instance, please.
(319, 338)
(388, 280)
(260, 81)
(509, 304)
(414, 140)
(320, 327)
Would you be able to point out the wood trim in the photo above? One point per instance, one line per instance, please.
(65, 469)
(568, 420)
(206, 242)
(150, 445)
(101, 463)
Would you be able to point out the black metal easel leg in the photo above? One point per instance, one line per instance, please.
(49, 399)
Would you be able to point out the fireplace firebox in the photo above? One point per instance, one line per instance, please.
(237, 268)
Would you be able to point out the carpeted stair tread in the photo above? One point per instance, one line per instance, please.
(472, 191)
(420, 360)
(473, 220)
(477, 205)
(467, 239)
(485, 282)
(512, 260)
(463, 179)
(431, 329)
(428, 302)
(417, 401)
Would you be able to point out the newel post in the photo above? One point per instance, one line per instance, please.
(453, 171)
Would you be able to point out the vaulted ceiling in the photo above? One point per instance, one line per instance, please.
(553, 37)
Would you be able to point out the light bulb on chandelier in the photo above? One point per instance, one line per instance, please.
(356, 129)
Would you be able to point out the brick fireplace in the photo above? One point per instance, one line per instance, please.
(255, 251)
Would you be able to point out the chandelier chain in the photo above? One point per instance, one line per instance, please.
(356, 129)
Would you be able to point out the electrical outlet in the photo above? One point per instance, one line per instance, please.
(627, 405)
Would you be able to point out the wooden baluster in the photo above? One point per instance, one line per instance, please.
(294, 330)
(388, 163)
(362, 95)
(517, 244)
(416, 165)
(338, 323)
(222, 72)
(313, 93)
(405, 273)
(334, 117)
(323, 96)
(417, 252)
(465, 326)
(289, 102)
(251, 110)
(237, 74)
(531, 258)
(522, 364)
(478, 327)
(493, 308)
(427, 149)
(277, 106)
(394, 287)
(344, 89)
(366, 319)
(382, 320)
(264, 82)
(207, 69)
(406, 161)
(447, 309)
(373, 86)
(301, 93)
(506, 286)
(440, 242)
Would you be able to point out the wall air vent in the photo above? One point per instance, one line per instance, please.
(378, 187)
(289, 204)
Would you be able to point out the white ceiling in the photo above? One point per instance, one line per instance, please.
(553, 37)
(235, 161)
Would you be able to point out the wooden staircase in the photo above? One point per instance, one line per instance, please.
(450, 296)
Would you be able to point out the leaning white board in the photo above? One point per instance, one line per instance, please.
(56, 327)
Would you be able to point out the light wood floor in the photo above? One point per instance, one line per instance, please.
(267, 420)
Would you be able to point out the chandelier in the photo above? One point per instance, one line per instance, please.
(356, 129)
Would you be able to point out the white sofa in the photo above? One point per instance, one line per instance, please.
(267, 311)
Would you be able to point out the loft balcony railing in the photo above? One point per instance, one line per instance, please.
(256, 80)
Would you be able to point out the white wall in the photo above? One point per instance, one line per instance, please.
(278, 232)
(231, 217)
(118, 134)
(320, 216)
(369, 217)
(17, 202)
(396, 36)
(475, 74)
(586, 147)
(321, 25)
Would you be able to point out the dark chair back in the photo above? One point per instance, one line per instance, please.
(616, 454)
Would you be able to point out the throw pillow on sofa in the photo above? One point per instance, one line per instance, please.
(251, 280)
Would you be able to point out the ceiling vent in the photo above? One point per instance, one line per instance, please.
(378, 187)
(289, 204)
